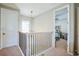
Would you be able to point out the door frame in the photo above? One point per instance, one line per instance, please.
(57, 9)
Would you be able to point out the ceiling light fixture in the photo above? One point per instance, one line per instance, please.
(31, 13)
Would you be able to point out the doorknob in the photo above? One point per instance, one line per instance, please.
(3, 33)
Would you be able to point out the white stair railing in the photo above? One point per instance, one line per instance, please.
(32, 42)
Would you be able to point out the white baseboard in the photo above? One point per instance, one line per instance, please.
(6, 46)
(21, 51)
(0, 48)
(70, 53)
(43, 51)
(49, 49)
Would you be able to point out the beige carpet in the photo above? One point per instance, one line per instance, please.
(55, 52)
(14, 51)
(10, 51)
(62, 43)
(60, 50)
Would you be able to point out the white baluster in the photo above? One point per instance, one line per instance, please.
(33, 43)
(27, 43)
(30, 43)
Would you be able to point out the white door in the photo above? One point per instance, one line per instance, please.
(9, 27)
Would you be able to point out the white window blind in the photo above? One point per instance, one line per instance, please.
(25, 26)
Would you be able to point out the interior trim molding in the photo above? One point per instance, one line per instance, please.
(7, 7)
(70, 53)
(21, 51)
(43, 51)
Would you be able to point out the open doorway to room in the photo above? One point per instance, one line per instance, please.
(62, 27)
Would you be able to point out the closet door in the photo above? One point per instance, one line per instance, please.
(9, 27)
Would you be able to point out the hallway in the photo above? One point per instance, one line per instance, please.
(32, 28)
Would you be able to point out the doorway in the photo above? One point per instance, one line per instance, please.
(62, 27)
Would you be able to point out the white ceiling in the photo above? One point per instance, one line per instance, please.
(37, 8)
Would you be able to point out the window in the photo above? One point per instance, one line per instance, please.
(25, 26)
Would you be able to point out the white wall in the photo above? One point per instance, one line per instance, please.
(43, 23)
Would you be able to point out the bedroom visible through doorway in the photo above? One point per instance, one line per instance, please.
(62, 28)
